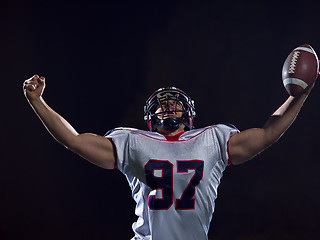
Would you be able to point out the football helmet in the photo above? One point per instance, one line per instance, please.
(161, 97)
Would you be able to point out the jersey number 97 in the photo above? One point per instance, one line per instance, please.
(164, 181)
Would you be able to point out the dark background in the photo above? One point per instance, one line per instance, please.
(102, 60)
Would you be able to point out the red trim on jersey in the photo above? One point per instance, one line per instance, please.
(228, 151)
(175, 137)
(115, 153)
(229, 160)
(172, 140)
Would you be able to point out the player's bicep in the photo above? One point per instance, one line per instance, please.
(247, 144)
(96, 149)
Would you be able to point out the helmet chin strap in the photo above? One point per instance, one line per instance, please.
(171, 124)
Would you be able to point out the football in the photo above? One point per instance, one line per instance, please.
(300, 70)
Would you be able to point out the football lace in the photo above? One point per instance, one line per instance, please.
(294, 60)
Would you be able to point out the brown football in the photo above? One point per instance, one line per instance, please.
(300, 70)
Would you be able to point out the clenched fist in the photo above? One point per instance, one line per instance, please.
(33, 87)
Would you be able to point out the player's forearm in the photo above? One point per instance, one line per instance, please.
(57, 126)
(283, 117)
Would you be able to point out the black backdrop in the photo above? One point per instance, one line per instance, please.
(102, 60)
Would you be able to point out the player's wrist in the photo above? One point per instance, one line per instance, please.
(35, 100)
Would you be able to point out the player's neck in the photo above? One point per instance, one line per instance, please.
(171, 133)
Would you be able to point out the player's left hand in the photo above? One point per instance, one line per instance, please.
(33, 87)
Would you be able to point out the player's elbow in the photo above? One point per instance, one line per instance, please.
(271, 136)
(242, 157)
(72, 143)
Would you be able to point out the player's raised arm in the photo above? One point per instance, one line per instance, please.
(92, 147)
(299, 73)
(247, 144)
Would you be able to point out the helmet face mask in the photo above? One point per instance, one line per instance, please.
(169, 100)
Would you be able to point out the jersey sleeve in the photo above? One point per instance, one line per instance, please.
(120, 139)
(224, 132)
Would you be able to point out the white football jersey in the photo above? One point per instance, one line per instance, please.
(174, 180)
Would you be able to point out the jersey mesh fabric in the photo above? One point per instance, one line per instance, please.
(204, 153)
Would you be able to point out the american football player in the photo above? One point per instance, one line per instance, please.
(173, 169)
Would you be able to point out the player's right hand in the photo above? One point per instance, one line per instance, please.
(34, 87)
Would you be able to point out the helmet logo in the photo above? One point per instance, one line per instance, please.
(166, 94)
